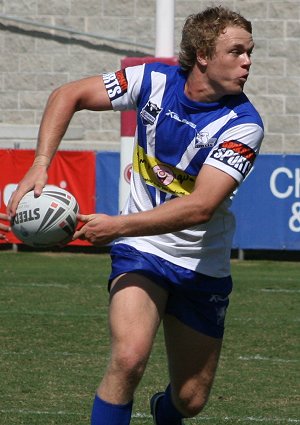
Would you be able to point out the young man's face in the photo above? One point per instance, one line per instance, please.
(228, 69)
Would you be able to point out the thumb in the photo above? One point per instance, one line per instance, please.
(38, 189)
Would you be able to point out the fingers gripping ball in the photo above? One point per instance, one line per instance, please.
(48, 220)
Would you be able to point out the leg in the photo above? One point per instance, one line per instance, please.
(193, 359)
(136, 309)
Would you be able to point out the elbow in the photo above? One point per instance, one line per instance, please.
(57, 96)
(201, 209)
(205, 217)
(65, 96)
(58, 93)
(201, 216)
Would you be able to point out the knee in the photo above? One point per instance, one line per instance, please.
(130, 362)
(190, 404)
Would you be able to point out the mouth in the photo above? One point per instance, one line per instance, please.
(244, 77)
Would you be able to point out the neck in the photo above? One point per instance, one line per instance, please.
(198, 89)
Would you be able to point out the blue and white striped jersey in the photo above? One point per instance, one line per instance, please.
(175, 136)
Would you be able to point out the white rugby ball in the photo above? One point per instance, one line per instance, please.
(48, 220)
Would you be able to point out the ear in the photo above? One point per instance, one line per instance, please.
(201, 58)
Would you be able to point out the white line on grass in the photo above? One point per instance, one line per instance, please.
(247, 419)
(50, 313)
(266, 359)
(138, 415)
(70, 285)
(256, 357)
(50, 353)
(33, 285)
(254, 319)
(288, 291)
(47, 285)
(39, 412)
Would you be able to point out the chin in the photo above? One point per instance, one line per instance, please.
(236, 90)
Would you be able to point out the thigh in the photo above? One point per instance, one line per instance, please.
(193, 359)
(137, 306)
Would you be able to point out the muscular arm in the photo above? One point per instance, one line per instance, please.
(211, 189)
(88, 93)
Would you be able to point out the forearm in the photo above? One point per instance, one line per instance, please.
(56, 118)
(176, 214)
(89, 93)
(211, 188)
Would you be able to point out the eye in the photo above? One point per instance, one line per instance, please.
(236, 52)
(239, 52)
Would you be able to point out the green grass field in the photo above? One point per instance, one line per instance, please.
(54, 343)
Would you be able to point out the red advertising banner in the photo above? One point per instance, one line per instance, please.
(70, 170)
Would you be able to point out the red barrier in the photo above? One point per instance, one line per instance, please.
(71, 170)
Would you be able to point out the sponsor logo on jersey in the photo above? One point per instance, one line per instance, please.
(176, 117)
(166, 178)
(149, 113)
(236, 155)
(221, 306)
(164, 174)
(202, 140)
(116, 84)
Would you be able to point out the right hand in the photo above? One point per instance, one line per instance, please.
(35, 178)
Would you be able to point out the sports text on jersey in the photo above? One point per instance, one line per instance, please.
(116, 84)
(235, 154)
(176, 117)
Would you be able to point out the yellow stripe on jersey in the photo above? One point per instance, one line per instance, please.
(165, 177)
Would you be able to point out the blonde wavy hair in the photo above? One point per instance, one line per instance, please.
(201, 31)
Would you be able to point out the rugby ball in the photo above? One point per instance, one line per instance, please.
(48, 220)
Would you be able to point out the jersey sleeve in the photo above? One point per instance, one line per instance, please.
(123, 87)
(236, 150)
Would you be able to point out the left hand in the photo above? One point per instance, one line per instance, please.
(98, 229)
(4, 227)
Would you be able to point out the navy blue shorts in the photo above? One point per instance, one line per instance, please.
(197, 300)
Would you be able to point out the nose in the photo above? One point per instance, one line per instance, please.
(247, 59)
